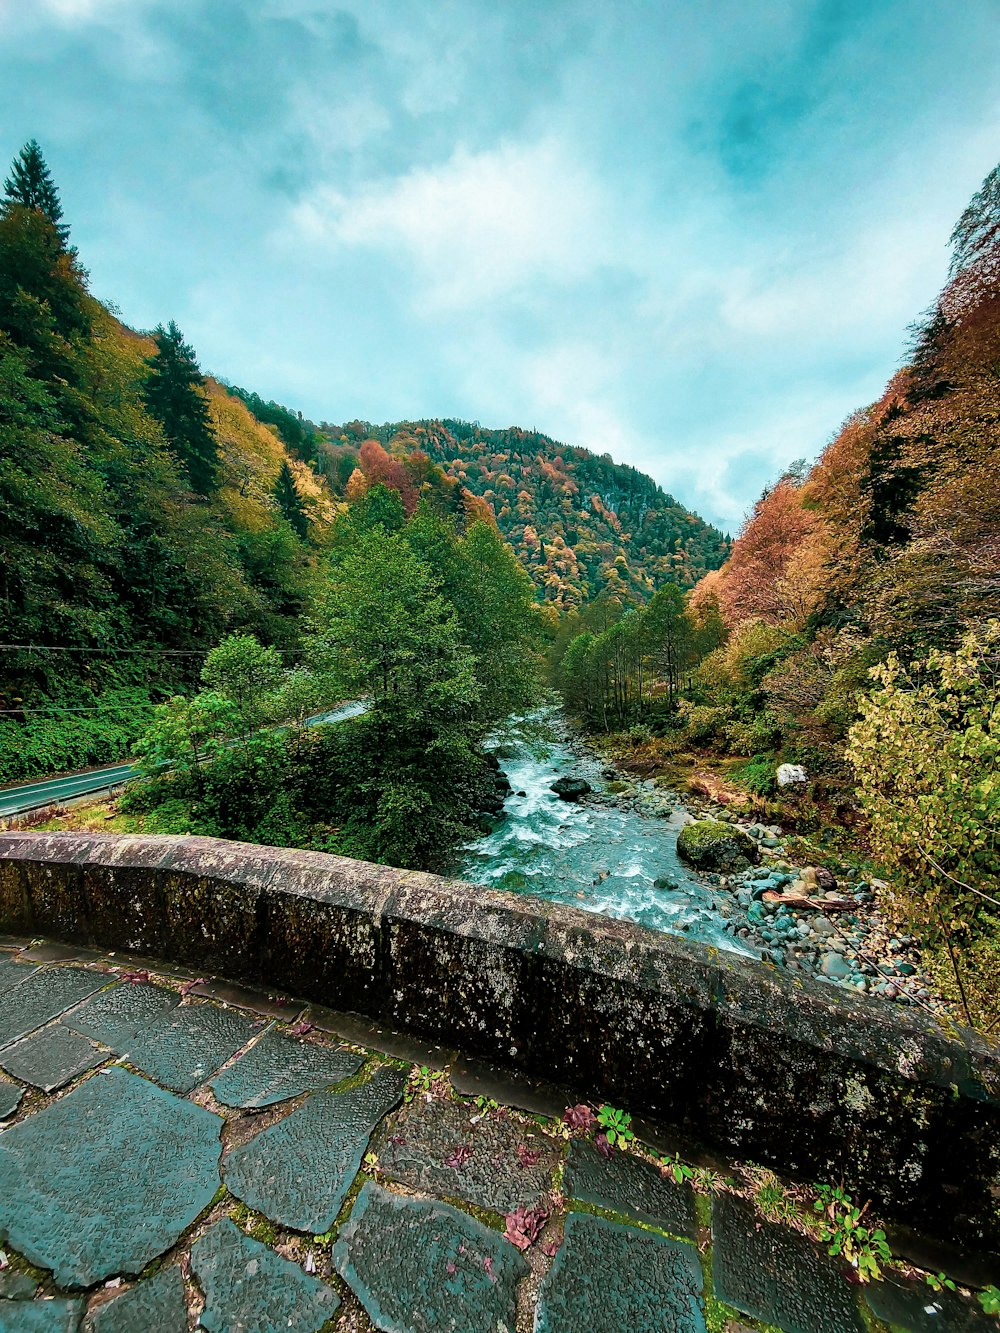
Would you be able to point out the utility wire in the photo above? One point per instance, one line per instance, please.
(106, 708)
(113, 652)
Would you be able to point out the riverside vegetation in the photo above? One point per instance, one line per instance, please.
(853, 630)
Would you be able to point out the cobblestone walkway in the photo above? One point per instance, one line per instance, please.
(178, 1153)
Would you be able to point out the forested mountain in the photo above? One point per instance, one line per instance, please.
(580, 523)
(139, 504)
(148, 510)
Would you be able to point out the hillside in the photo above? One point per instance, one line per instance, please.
(140, 504)
(580, 523)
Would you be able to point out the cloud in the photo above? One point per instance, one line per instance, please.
(691, 237)
(478, 227)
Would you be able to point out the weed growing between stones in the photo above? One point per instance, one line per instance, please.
(843, 1227)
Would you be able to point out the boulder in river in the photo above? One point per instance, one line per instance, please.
(708, 844)
(570, 789)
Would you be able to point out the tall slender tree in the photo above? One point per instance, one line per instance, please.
(287, 495)
(175, 395)
(30, 184)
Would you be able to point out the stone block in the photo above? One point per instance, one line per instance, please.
(447, 1271)
(105, 1179)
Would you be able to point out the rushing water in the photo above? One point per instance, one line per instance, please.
(599, 856)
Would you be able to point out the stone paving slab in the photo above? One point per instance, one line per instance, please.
(913, 1306)
(610, 1278)
(118, 1015)
(773, 1273)
(105, 1179)
(43, 996)
(298, 1171)
(276, 1068)
(446, 1272)
(56, 1316)
(10, 1098)
(51, 1058)
(13, 973)
(156, 1305)
(250, 1289)
(628, 1185)
(185, 1046)
(448, 1148)
(16, 1286)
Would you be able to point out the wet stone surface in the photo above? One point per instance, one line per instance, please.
(12, 974)
(10, 1098)
(624, 1184)
(249, 1287)
(497, 1164)
(610, 1278)
(448, 1274)
(277, 1068)
(42, 997)
(105, 1179)
(298, 1171)
(156, 1305)
(913, 1306)
(116, 1176)
(51, 1058)
(16, 1286)
(117, 1016)
(772, 1273)
(184, 1047)
(58, 1316)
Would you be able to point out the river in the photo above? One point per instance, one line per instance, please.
(598, 855)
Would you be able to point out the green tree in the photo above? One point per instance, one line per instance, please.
(175, 395)
(186, 734)
(30, 184)
(379, 507)
(243, 671)
(384, 631)
(494, 598)
(291, 507)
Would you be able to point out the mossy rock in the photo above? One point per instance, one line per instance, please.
(708, 844)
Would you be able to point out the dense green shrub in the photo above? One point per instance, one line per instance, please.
(926, 753)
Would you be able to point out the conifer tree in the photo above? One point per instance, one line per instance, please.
(30, 184)
(175, 397)
(287, 495)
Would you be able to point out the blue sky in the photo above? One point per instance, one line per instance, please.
(691, 235)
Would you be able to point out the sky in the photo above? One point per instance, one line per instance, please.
(689, 235)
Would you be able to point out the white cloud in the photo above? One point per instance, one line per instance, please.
(478, 227)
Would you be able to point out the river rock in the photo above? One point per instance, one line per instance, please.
(708, 844)
(817, 879)
(835, 966)
(570, 789)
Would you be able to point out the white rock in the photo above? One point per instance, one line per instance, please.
(790, 775)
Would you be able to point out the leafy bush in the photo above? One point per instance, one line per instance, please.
(926, 752)
(69, 739)
(758, 776)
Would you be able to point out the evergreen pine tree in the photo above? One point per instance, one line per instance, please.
(175, 397)
(30, 184)
(287, 496)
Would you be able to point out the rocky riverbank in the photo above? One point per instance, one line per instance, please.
(819, 920)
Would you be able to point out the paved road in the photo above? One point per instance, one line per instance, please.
(56, 791)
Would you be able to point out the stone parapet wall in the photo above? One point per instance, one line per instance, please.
(733, 1055)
